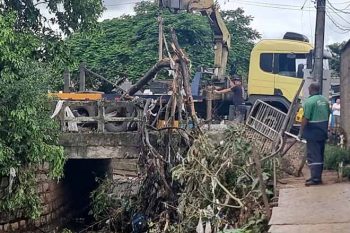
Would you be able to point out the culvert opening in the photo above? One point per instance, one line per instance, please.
(81, 177)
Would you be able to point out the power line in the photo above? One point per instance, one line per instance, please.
(339, 3)
(124, 3)
(272, 5)
(336, 9)
(311, 28)
(337, 12)
(247, 2)
(339, 26)
(302, 7)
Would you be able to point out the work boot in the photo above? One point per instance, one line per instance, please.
(316, 175)
(311, 182)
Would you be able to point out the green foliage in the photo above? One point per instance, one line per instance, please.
(217, 173)
(30, 32)
(15, 46)
(335, 60)
(335, 155)
(107, 203)
(256, 224)
(129, 44)
(101, 200)
(69, 15)
(32, 57)
(243, 38)
(28, 136)
(65, 230)
(23, 195)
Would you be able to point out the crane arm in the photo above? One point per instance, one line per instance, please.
(222, 37)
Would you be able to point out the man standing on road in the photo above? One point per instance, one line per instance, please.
(314, 129)
(237, 89)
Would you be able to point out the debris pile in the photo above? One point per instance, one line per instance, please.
(220, 188)
(189, 182)
(210, 186)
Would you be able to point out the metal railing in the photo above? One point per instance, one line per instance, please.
(72, 114)
(267, 120)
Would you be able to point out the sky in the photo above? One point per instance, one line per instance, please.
(272, 18)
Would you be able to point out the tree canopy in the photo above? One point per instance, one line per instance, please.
(40, 15)
(47, 21)
(129, 44)
(335, 60)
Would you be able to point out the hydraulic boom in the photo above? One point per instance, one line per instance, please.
(222, 38)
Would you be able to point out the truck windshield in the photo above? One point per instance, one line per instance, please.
(291, 65)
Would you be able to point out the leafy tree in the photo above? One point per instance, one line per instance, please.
(335, 61)
(31, 54)
(129, 44)
(28, 137)
(48, 21)
(40, 15)
(243, 38)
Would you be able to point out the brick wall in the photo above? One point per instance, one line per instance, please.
(55, 207)
(344, 92)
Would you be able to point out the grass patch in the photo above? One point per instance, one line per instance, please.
(335, 155)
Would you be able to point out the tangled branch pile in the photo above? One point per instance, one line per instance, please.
(219, 186)
(191, 182)
(209, 187)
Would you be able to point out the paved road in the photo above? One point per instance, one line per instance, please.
(324, 208)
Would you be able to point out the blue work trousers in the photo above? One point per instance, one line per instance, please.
(315, 158)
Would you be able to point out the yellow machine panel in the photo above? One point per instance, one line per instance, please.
(77, 96)
(299, 116)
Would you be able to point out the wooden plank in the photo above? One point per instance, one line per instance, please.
(312, 213)
(320, 194)
(321, 228)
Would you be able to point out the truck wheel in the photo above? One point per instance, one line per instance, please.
(118, 111)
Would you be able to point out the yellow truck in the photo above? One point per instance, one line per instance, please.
(277, 68)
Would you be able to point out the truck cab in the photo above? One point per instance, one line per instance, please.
(277, 68)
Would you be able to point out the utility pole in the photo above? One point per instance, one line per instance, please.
(319, 42)
(66, 77)
(160, 38)
(82, 77)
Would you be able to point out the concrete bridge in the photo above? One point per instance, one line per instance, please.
(118, 153)
(101, 145)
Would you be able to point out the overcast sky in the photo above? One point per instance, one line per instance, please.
(272, 18)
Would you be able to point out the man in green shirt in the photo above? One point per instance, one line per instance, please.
(314, 128)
